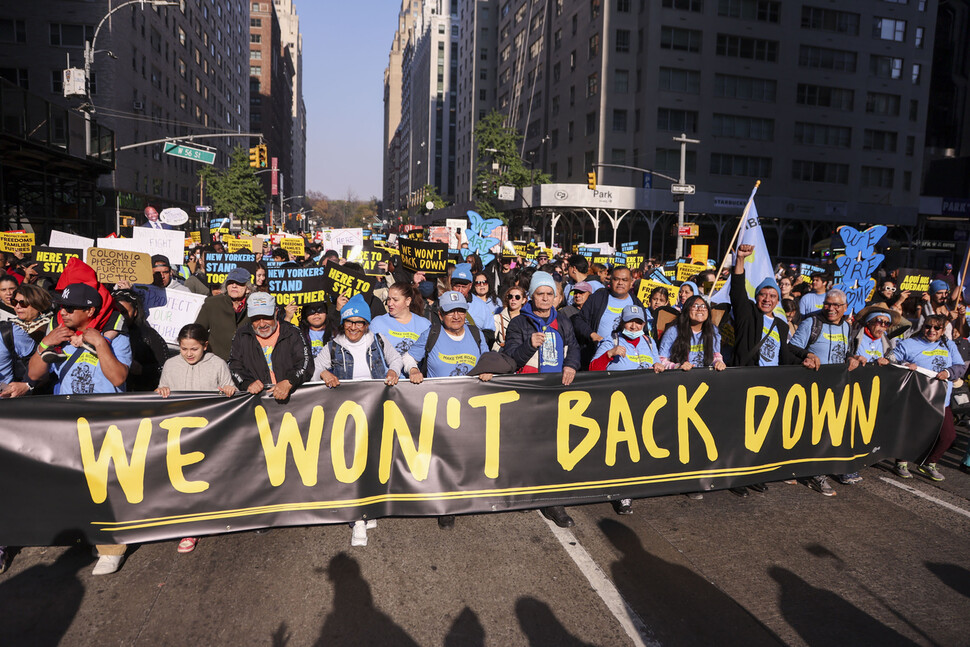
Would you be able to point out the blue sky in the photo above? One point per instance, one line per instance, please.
(345, 48)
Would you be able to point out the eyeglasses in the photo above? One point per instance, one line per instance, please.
(832, 305)
(355, 324)
(698, 306)
(515, 297)
(21, 303)
(481, 282)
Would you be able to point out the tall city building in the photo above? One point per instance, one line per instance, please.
(425, 135)
(271, 76)
(292, 41)
(157, 73)
(394, 177)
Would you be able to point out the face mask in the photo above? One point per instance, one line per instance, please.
(631, 334)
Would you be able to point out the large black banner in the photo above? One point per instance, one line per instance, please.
(136, 467)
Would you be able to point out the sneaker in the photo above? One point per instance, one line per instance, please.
(359, 536)
(850, 479)
(821, 485)
(4, 559)
(929, 471)
(53, 355)
(902, 470)
(108, 564)
(187, 545)
(695, 496)
(623, 506)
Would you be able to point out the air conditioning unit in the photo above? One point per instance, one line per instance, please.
(138, 105)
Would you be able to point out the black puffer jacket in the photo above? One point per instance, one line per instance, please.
(291, 357)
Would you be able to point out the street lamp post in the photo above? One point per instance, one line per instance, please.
(683, 180)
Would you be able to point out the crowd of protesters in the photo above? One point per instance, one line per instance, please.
(555, 315)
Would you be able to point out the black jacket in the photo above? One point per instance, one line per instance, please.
(749, 329)
(291, 357)
(518, 343)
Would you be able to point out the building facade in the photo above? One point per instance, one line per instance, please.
(292, 41)
(159, 72)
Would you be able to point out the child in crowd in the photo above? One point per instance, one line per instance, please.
(193, 369)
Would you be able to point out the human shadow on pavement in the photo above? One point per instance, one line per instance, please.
(823, 618)
(354, 619)
(40, 603)
(466, 631)
(679, 606)
(541, 626)
(956, 577)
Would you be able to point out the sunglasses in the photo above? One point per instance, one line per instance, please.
(934, 327)
(889, 288)
(21, 303)
(71, 309)
(515, 297)
(481, 282)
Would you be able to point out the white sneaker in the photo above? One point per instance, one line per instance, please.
(108, 564)
(359, 537)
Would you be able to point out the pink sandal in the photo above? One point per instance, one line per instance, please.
(187, 545)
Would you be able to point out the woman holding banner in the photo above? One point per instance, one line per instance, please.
(356, 353)
(694, 341)
(404, 321)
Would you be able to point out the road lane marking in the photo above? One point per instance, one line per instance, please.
(631, 622)
(941, 502)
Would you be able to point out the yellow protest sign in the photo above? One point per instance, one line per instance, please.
(234, 245)
(196, 237)
(699, 254)
(647, 286)
(295, 246)
(687, 270)
(16, 242)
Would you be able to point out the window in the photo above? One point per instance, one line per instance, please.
(62, 35)
(255, 54)
(622, 41)
(879, 140)
(744, 87)
(886, 67)
(557, 40)
(12, 31)
(621, 81)
(889, 29)
(840, 22)
(878, 103)
(761, 10)
(592, 84)
(823, 58)
(756, 49)
(832, 173)
(919, 37)
(910, 145)
(754, 128)
(618, 156)
(668, 159)
(685, 5)
(619, 121)
(483, 95)
(824, 97)
(594, 45)
(483, 55)
(181, 37)
(555, 105)
(681, 121)
(917, 68)
(622, 6)
(877, 177)
(685, 40)
(572, 60)
(57, 81)
(556, 72)
(255, 38)
(569, 133)
(554, 138)
(677, 80)
(16, 75)
(255, 22)
(255, 70)
(535, 48)
(823, 135)
(741, 165)
(506, 53)
(590, 123)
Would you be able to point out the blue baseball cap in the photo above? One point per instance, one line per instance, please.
(451, 300)
(633, 313)
(462, 272)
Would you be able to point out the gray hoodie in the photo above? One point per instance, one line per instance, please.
(208, 374)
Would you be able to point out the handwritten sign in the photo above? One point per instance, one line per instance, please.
(345, 281)
(858, 264)
(295, 246)
(16, 242)
(70, 241)
(336, 238)
(53, 259)
(113, 265)
(170, 243)
(170, 310)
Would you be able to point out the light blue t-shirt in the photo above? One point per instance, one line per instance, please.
(869, 348)
(696, 356)
(641, 354)
(936, 356)
(482, 314)
(84, 375)
(593, 283)
(316, 341)
(401, 335)
(810, 303)
(610, 320)
(449, 358)
(770, 349)
(832, 345)
(23, 345)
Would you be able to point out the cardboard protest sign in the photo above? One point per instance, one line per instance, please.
(196, 237)
(218, 266)
(299, 284)
(687, 270)
(858, 264)
(342, 280)
(70, 241)
(368, 256)
(170, 310)
(113, 265)
(53, 259)
(699, 254)
(647, 286)
(170, 243)
(336, 238)
(440, 235)
(11, 241)
(914, 280)
(296, 246)
(430, 258)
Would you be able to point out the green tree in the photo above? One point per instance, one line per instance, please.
(235, 189)
(431, 194)
(499, 163)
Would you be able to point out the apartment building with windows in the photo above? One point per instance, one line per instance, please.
(292, 42)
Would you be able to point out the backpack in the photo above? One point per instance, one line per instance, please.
(16, 361)
(434, 332)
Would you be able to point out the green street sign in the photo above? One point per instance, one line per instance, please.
(189, 153)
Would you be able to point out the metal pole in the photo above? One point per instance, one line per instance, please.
(683, 180)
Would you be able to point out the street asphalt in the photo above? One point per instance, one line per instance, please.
(875, 565)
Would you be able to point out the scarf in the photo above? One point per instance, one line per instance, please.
(551, 353)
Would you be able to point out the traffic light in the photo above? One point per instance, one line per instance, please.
(254, 156)
(591, 180)
(263, 156)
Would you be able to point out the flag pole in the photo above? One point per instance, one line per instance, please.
(744, 214)
(963, 274)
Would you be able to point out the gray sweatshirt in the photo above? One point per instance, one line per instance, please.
(208, 374)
